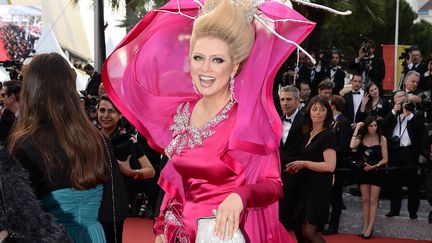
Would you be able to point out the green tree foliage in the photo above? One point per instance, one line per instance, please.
(136, 9)
(370, 18)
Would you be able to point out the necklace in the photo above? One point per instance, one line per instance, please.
(186, 134)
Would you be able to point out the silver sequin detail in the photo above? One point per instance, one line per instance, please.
(170, 217)
(183, 133)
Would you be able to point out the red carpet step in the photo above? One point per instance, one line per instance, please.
(137, 230)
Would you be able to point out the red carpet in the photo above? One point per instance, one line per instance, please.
(3, 53)
(137, 230)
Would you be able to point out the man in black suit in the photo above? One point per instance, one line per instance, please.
(95, 80)
(335, 73)
(405, 132)
(343, 133)
(419, 98)
(369, 65)
(9, 95)
(305, 92)
(415, 63)
(353, 98)
(292, 139)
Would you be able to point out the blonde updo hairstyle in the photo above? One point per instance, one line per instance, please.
(225, 20)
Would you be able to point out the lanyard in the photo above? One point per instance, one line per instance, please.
(400, 126)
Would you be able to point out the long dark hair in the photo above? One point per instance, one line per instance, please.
(51, 115)
(367, 121)
(307, 128)
(369, 104)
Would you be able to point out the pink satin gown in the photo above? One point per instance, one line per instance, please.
(209, 174)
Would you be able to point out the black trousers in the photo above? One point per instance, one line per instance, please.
(289, 203)
(405, 158)
(336, 200)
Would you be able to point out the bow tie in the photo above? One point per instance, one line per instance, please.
(355, 92)
(286, 120)
(410, 92)
(334, 69)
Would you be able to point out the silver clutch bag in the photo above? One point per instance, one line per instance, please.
(205, 233)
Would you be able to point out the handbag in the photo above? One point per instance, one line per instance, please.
(10, 238)
(205, 233)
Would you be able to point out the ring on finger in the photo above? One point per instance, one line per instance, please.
(231, 220)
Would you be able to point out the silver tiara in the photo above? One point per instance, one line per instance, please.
(251, 13)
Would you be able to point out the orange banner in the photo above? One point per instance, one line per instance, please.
(390, 82)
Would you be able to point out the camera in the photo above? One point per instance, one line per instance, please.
(408, 105)
(393, 142)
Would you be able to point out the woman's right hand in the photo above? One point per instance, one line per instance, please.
(160, 239)
(359, 125)
(365, 99)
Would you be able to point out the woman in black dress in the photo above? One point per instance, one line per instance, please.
(319, 162)
(133, 163)
(372, 103)
(371, 154)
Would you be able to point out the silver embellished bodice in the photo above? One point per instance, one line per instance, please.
(185, 134)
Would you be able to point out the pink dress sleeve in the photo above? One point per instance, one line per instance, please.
(267, 189)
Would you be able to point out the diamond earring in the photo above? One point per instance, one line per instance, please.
(231, 84)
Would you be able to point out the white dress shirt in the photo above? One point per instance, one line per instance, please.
(401, 130)
(357, 98)
(286, 126)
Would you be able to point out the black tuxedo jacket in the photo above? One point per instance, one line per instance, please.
(290, 151)
(349, 107)
(93, 85)
(343, 133)
(7, 121)
(415, 129)
(377, 71)
(338, 78)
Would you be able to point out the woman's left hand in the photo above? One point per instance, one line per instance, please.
(368, 167)
(228, 216)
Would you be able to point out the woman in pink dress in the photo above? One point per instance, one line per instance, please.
(220, 131)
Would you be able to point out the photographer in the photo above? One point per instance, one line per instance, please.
(369, 65)
(404, 131)
(414, 63)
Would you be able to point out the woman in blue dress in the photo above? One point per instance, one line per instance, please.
(61, 149)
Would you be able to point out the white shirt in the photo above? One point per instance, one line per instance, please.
(286, 126)
(357, 98)
(401, 130)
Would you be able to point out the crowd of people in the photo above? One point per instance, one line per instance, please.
(18, 40)
(377, 142)
(245, 167)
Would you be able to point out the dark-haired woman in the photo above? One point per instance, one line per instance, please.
(61, 149)
(319, 162)
(372, 103)
(130, 156)
(372, 153)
